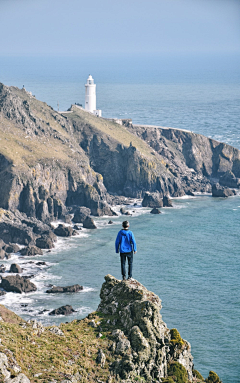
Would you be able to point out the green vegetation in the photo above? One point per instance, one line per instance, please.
(176, 338)
(177, 372)
(199, 378)
(213, 378)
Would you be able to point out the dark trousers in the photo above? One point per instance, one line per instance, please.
(129, 256)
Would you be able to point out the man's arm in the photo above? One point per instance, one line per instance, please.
(117, 242)
(134, 244)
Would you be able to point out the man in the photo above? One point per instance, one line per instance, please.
(126, 244)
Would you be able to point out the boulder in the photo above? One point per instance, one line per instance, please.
(63, 231)
(167, 202)
(221, 191)
(110, 222)
(152, 200)
(2, 254)
(31, 250)
(76, 227)
(65, 289)
(63, 310)
(89, 223)
(155, 211)
(122, 211)
(41, 263)
(14, 268)
(80, 214)
(11, 248)
(15, 283)
(2, 269)
(44, 242)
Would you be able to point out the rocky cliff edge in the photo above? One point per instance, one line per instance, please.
(125, 340)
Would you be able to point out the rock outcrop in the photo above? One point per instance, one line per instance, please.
(15, 283)
(221, 191)
(65, 289)
(142, 343)
(63, 310)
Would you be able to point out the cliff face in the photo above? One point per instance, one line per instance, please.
(142, 342)
(125, 341)
(49, 161)
(43, 169)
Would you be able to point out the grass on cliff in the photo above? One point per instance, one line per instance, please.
(112, 129)
(46, 356)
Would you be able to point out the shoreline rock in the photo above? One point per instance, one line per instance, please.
(17, 284)
(65, 289)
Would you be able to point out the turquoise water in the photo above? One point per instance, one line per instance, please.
(189, 255)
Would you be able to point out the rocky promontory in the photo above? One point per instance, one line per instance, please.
(71, 165)
(125, 340)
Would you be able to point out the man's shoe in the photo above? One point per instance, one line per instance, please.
(124, 278)
(130, 279)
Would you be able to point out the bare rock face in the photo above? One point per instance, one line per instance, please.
(45, 242)
(63, 310)
(31, 250)
(89, 223)
(80, 214)
(221, 191)
(65, 289)
(17, 284)
(63, 231)
(155, 211)
(167, 202)
(14, 268)
(11, 248)
(142, 342)
(230, 180)
(152, 200)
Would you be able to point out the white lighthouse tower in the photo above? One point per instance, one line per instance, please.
(90, 97)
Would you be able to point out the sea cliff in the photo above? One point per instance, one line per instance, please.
(125, 340)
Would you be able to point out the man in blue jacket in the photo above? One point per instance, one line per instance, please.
(126, 244)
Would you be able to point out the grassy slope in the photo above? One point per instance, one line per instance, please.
(113, 130)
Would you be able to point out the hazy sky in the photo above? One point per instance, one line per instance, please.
(75, 27)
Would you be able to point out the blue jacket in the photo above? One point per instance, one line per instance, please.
(125, 242)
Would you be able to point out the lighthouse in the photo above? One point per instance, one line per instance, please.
(90, 97)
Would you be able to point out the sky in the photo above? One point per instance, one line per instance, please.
(76, 27)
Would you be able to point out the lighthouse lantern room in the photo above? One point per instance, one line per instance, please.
(90, 97)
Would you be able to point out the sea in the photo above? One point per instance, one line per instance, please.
(190, 254)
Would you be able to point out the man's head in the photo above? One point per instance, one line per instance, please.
(125, 225)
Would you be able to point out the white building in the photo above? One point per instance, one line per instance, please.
(90, 97)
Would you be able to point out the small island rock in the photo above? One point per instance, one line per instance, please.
(14, 268)
(63, 310)
(89, 223)
(152, 200)
(15, 283)
(65, 289)
(155, 211)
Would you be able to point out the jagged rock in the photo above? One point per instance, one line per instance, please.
(65, 289)
(2, 254)
(152, 200)
(80, 214)
(17, 284)
(41, 263)
(89, 223)
(230, 180)
(63, 310)
(14, 268)
(221, 191)
(44, 242)
(122, 211)
(110, 222)
(11, 248)
(155, 211)
(31, 250)
(56, 330)
(101, 358)
(167, 202)
(63, 231)
(144, 344)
